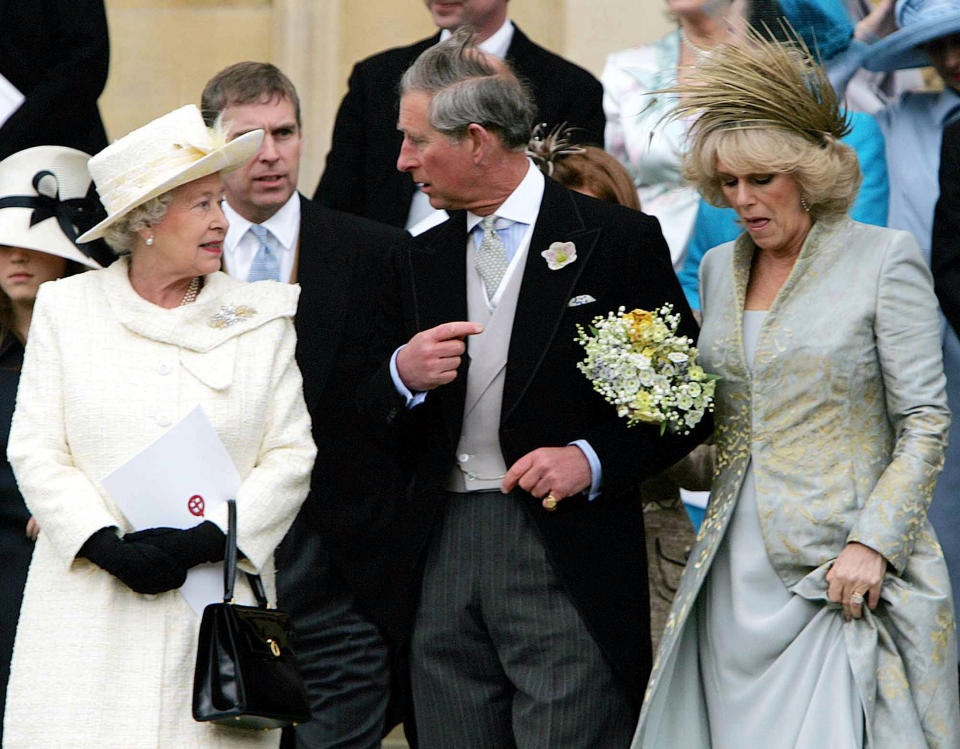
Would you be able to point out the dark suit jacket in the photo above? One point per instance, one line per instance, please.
(596, 547)
(56, 52)
(361, 174)
(945, 253)
(337, 261)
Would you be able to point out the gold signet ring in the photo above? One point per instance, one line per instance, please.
(550, 503)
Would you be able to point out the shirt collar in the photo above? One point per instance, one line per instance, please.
(523, 204)
(284, 224)
(497, 44)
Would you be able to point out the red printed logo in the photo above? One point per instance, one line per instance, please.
(195, 505)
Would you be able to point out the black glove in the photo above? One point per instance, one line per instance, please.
(188, 546)
(141, 567)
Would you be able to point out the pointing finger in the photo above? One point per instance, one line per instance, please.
(459, 329)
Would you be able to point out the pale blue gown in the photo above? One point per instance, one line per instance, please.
(773, 665)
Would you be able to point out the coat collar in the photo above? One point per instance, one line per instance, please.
(224, 308)
(544, 293)
(824, 236)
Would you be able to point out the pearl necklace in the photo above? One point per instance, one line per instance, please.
(191, 294)
(699, 53)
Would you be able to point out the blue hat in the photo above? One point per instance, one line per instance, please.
(822, 24)
(920, 21)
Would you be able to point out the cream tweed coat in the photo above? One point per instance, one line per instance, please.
(105, 374)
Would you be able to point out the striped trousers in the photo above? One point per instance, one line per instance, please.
(500, 657)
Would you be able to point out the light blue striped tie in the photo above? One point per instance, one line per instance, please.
(266, 263)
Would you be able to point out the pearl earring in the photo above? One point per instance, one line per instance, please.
(803, 203)
(150, 241)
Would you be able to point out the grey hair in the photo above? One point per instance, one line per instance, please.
(467, 87)
(122, 236)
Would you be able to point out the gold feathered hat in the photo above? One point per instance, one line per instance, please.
(757, 83)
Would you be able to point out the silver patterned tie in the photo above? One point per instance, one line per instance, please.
(491, 256)
(266, 263)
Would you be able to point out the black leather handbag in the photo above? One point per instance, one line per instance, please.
(246, 674)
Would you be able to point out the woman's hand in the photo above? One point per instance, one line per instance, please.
(141, 567)
(878, 23)
(189, 546)
(856, 575)
(33, 528)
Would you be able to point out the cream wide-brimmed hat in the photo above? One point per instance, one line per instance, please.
(44, 199)
(166, 153)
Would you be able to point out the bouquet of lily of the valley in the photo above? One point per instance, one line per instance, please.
(637, 362)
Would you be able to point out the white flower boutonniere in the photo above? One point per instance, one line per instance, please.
(559, 255)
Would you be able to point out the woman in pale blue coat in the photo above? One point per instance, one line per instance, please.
(815, 609)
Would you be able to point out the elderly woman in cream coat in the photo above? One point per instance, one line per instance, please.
(106, 644)
(815, 609)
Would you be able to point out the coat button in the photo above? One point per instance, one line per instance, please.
(463, 457)
(163, 420)
(163, 368)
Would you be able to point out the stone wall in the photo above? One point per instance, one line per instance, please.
(163, 51)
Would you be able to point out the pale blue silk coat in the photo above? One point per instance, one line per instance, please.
(844, 417)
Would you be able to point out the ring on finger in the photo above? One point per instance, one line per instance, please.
(550, 502)
(857, 599)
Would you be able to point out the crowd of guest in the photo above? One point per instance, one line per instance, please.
(467, 537)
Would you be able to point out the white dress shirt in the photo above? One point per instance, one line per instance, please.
(240, 245)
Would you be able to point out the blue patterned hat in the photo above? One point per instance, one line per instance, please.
(920, 21)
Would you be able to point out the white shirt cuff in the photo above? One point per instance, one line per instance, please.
(596, 475)
(411, 399)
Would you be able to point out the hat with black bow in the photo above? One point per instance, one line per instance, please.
(46, 201)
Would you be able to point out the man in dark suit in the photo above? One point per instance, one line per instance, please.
(276, 233)
(360, 175)
(517, 564)
(945, 264)
(945, 255)
(56, 53)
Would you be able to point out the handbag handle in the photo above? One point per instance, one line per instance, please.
(230, 562)
(230, 553)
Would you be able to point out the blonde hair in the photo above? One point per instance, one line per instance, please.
(828, 174)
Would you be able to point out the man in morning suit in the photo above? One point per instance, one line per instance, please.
(945, 255)
(276, 233)
(518, 558)
(360, 174)
(56, 54)
(945, 265)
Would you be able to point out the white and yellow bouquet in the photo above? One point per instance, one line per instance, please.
(638, 363)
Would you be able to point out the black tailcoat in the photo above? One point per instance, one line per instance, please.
(361, 173)
(339, 255)
(945, 254)
(56, 52)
